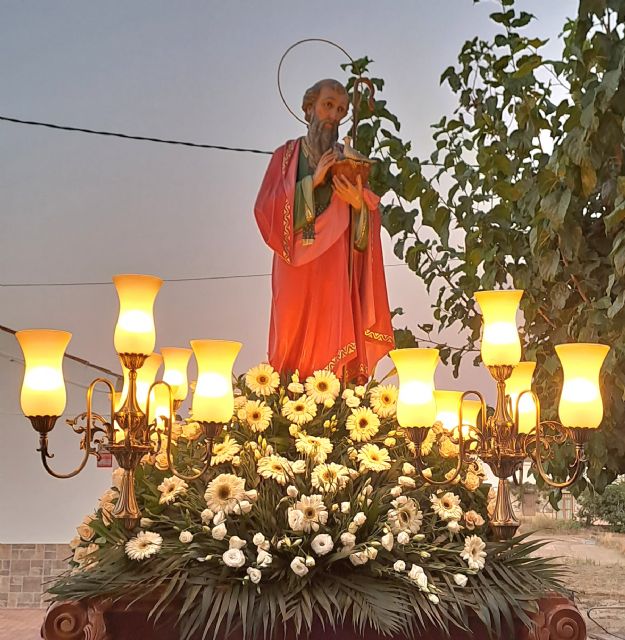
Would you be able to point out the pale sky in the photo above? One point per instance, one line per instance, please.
(75, 207)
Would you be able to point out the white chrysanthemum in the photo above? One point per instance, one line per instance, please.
(234, 558)
(405, 515)
(372, 458)
(362, 424)
(275, 467)
(329, 477)
(447, 507)
(322, 544)
(262, 379)
(258, 415)
(474, 553)
(322, 385)
(383, 400)
(314, 512)
(316, 448)
(224, 493)
(171, 488)
(185, 537)
(225, 450)
(300, 411)
(143, 545)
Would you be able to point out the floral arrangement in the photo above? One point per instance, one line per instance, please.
(312, 511)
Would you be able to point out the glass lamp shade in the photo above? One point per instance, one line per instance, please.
(470, 413)
(145, 377)
(416, 406)
(120, 397)
(135, 332)
(447, 408)
(519, 381)
(501, 344)
(176, 362)
(43, 388)
(581, 405)
(159, 406)
(213, 400)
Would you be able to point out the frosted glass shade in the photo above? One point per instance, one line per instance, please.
(135, 332)
(176, 361)
(501, 344)
(213, 400)
(159, 405)
(145, 377)
(447, 408)
(416, 406)
(43, 388)
(581, 404)
(470, 413)
(519, 381)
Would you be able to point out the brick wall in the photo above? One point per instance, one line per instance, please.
(25, 568)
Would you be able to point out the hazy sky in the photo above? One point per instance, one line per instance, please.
(77, 208)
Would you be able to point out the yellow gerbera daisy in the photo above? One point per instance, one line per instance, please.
(383, 400)
(300, 411)
(275, 468)
(322, 386)
(262, 379)
(316, 448)
(374, 458)
(329, 477)
(363, 424)
(258, 415)
(225, 451)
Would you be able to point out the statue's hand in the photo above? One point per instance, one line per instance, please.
(349, 192)
(323, 166)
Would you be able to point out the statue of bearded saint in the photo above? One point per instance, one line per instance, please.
(329, 309)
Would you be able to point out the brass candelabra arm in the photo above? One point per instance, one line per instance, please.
(211, 431)
(417, 435)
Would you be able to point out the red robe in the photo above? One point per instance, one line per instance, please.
(315, 323)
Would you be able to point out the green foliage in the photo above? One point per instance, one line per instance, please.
(608, 506)
(377, 499)
(525, 187)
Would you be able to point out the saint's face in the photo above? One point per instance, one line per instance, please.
(331, 105)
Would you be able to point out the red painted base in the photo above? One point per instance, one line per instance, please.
(557, 619)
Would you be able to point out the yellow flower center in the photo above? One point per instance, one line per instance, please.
(276, 467)
(322, 385)
(386, 399)
(256, 415)
(223, 493)
(309, 512)
(374, 456)
(363, 422)
(262, 379)
(299, 408)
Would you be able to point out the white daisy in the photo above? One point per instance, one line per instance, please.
(143, 545)
(262, 379)
(224, 492)
(474, 553)
(323, 386)
(171, 488)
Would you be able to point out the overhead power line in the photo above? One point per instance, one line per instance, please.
(193, 279)
(126, 136)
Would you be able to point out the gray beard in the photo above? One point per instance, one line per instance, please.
(321, 138)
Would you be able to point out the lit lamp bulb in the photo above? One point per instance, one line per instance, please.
(448, 408)
(159, 406)
(176, 361)
(416, 406)
(135, 332)
(43, 389)
(500, 337)
(145, 377)
(519, 381)
(581, 405)
(213, 399)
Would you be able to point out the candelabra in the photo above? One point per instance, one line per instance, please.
(143, 414)
(514, 431)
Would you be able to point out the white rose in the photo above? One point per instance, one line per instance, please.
(185, 537)
(359, 558)
(236, 543)
(219, 532)
(296, 387)
(360, 391)
(292, 491)
(322, 544)
(403, 537)
(258, 539)
(207, 516)
(359, 519)
(399, 565)
(254, 574)
(234, 558)
(345, 507)
(454, 526)
(251, 494)
(396, 491)
(408, 469)
(348, 540)
(353, 402)
(299, 466)
(460, 579)
(298, 566)
(388, 541)
(348, 393)
(406, 482)
(415, 570)
(245, 506)
(310, 561)
(372, 553)
(263, 559)
(220, 517)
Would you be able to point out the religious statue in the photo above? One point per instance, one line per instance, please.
(329, 303)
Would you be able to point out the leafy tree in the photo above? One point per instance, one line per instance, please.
(525, 187)
(609, 506)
